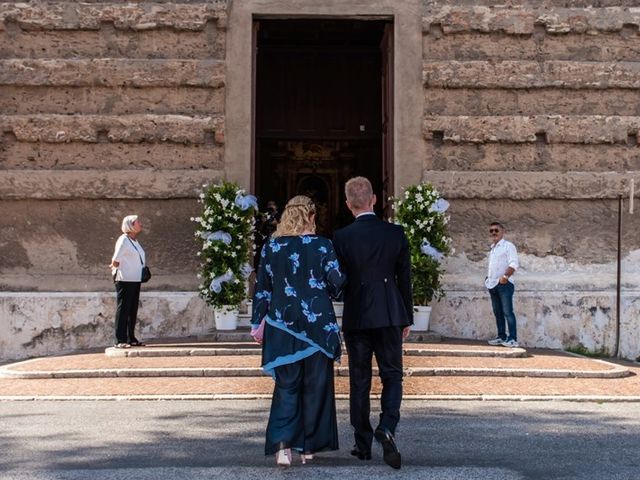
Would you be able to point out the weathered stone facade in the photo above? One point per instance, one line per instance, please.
(522, 111)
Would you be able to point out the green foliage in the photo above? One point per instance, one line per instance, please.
(422, 214)
(222, 215)
(584, 351)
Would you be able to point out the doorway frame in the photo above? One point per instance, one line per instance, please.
(408, 145)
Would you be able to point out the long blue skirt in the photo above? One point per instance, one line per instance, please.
(303, 408)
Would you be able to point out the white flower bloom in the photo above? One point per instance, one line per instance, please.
(192, 219)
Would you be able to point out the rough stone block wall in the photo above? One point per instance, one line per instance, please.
(531, 117)
(106, 109)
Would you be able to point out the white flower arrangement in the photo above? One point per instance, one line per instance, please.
(421, 212)
(224, 234)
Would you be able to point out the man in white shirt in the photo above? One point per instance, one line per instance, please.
(503, 262)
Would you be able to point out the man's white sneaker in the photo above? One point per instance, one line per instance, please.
(495, 341)
(510, 344)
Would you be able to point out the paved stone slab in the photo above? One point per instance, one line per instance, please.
(97, 365)
(177, 351)
(431, 387)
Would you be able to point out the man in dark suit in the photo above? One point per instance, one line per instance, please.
(378, 310)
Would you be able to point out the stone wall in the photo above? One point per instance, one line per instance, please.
(107, 109)
(530, 114)
(38, 324)
(531, 118)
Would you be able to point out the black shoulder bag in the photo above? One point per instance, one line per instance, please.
(146, 273)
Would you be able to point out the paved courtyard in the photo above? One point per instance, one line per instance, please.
(224, 439)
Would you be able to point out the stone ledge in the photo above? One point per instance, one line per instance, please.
(515, 74)
(523, 21)
(7, 372)
(130, 16)
(91, 184)
(339, 396)
(530, 185)
(158, 351)
(114, 128)
(110, 72)
(582, 129)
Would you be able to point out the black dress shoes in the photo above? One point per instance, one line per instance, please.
(361, 454)
(390, 453)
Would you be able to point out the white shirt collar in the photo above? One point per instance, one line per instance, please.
(364, 213)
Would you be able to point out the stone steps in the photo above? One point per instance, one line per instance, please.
(243, 335)
(237, 349)
(340, 371)
(237, 359)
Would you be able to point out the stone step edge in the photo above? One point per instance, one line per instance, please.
(339, 396)
(242, 334)
(155, 352)
(5, 372)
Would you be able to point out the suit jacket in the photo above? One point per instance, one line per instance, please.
(375, 257)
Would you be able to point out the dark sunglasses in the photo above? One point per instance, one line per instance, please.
(494, 230)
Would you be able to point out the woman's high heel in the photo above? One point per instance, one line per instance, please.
(283, 457)
(305, 457)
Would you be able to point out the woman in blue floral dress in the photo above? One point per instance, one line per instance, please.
(297, 276)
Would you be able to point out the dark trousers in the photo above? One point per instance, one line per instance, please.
(386, 345)
(502, 304)
(303, 408)
(127, 297)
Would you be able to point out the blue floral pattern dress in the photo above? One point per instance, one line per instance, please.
(296, 279)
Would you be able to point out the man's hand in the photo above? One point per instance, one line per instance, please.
(503, 279)
(405, 332)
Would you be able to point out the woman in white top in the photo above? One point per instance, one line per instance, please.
(126, 267)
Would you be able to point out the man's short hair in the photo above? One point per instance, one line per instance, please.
(497, 224)
(358, 191)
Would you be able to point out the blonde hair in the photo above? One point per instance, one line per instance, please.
(127, 223)
(358, 191)
(296, 217)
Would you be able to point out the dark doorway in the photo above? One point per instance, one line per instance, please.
(322, 93)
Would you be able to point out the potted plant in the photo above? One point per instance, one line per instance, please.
(421, 211)
(224, 234)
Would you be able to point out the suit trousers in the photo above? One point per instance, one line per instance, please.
(303, 408)
(386, 344)
(127, 297)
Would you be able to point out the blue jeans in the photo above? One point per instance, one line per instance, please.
(502, 303)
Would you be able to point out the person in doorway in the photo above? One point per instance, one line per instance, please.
(126, 268)
(293, 319)
(378, 311)
(503, 263)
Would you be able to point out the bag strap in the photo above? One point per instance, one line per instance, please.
(136, 249)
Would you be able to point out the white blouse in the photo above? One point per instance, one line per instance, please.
(130, 255)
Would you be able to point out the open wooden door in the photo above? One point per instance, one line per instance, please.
(255, 164)
(386, 48)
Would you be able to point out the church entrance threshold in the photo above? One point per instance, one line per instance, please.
(321, 112)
